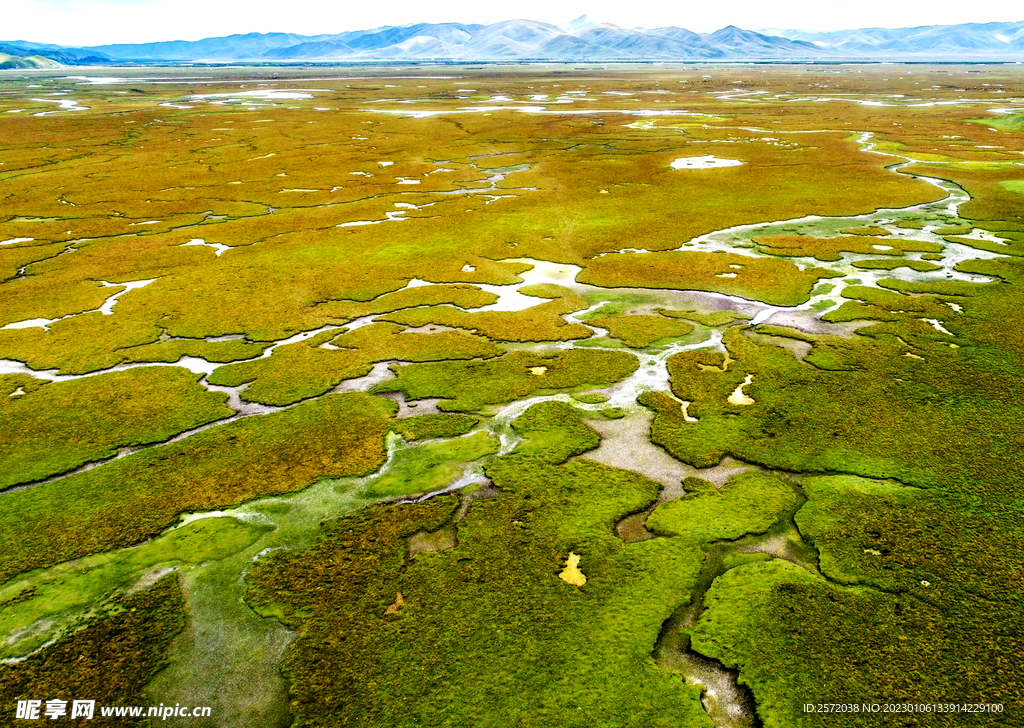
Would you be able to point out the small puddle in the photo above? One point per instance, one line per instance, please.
(937, 325)
(738, 397)
(708, 162)
(396, 606)
(219, 248)
(571, 574)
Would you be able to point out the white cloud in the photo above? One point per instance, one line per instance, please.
(91, 22)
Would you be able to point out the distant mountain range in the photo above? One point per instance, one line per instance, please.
(999, 40)
(507, 41)
(579, 40)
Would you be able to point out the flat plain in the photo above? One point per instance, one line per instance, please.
(534, 395)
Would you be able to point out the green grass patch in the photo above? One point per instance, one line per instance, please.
(1003, 122)
(770, 280)
(469, 386)
(920, 266)
(431, 466)
(62, 595)
(58, 426)
(110, 660)
(1014, 185)
(747, 503)
(616, 304)
(590, 397)
(641, 331)
(427, 427)
(722, 317)
(137, 497)
(865, 231)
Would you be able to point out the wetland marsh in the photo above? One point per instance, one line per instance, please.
(533, 395)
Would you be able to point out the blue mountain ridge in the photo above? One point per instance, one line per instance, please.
(579, 40)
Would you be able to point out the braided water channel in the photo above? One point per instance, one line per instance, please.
(230, 658)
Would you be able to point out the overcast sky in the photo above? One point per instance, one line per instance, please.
(93, 22)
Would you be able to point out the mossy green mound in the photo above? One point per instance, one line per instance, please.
(772, 281)
(110, 660)
(46, 603)
(469, 386)
(431, 466)
(425, 427)
(641, 331)
(721, 317)
(797, 639)
(135, 498)
(749, 503)
(56, 427)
